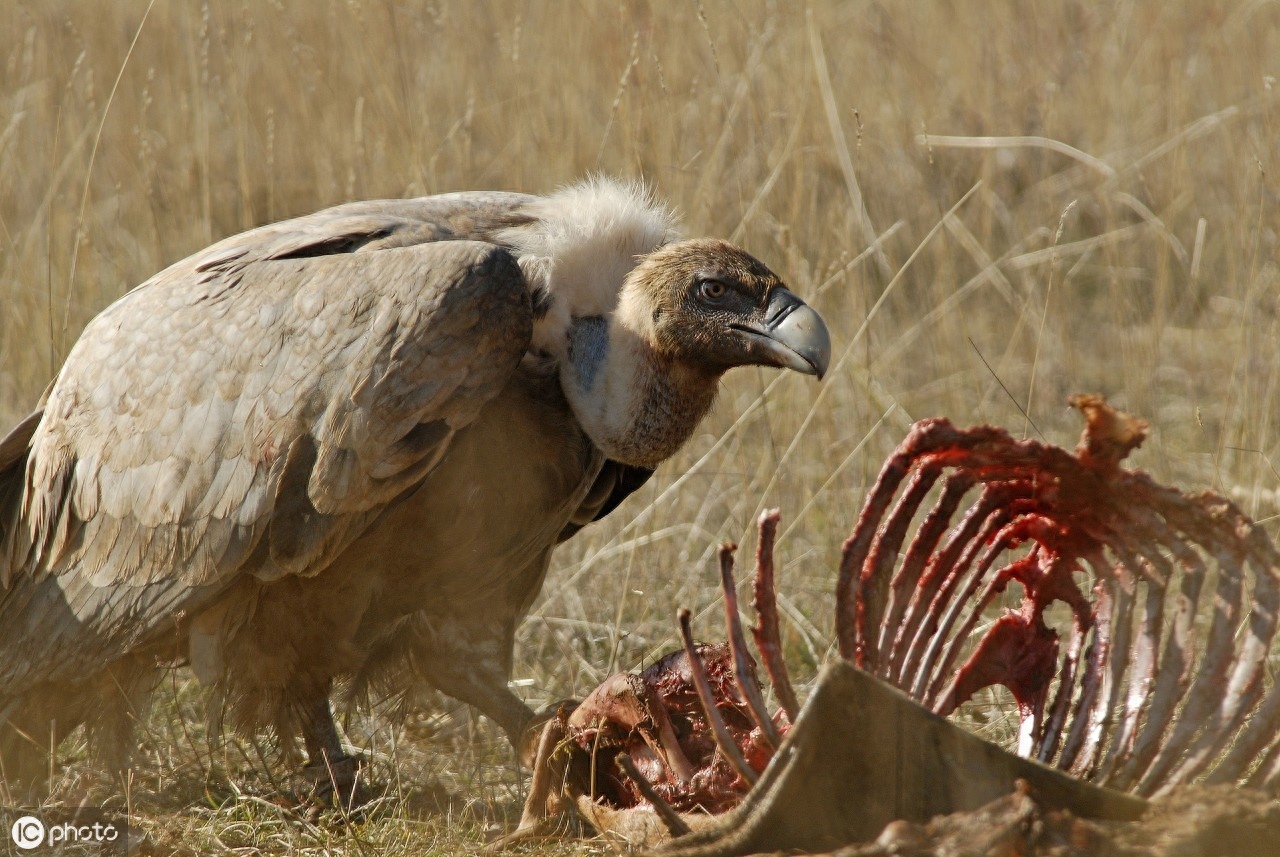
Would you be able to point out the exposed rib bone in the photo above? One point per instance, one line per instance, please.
(723, 739)
(1210, 678)
(1137, 700)
(1263, 729)
(765, 602)
(908, 583)
(849, 577)
(1157, 571)
(1169, 605)
(674, 823)
(944, 572)
(1268, 774)
(742, 669)
(932, 675)
(1176, 665)
(667, 744)
(879, 564)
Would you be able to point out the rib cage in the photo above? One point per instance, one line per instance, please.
(1173, 603)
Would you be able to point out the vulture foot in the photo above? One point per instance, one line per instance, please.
(336, 775)
(339, 782)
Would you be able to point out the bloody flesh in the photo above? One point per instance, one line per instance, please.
(626, 714)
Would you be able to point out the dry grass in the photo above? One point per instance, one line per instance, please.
(979, 279)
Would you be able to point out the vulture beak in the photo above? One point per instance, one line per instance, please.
(791, 336)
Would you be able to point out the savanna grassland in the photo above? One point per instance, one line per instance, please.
(994, 205)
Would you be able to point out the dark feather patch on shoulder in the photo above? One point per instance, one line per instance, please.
(332, 246)
(615, 483)
(629, 480)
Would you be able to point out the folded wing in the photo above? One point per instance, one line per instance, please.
(249, 411)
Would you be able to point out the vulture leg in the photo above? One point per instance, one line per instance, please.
(466, 653)
(471, 661)
(334, 772)
(122, 697)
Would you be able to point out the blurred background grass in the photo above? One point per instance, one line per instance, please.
(1125, 243)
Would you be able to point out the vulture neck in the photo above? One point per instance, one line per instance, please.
(579, 252)
(636, 404)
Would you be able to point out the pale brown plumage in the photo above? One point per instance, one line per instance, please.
(349, 442)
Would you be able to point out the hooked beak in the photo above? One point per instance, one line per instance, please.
(792, 335)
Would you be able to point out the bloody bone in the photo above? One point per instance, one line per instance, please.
(688, 734)
(765, 602)
(1150, 677)
(688, 760)
(1138, 703)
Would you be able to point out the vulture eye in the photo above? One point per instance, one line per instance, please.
(711, 290)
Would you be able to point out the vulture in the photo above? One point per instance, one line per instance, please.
(343, 445)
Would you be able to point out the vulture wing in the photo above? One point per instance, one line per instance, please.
(250, 410)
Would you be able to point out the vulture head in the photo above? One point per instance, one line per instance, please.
(712, 307)
(643, 324)
(641, 378)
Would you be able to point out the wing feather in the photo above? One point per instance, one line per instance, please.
(252, 410)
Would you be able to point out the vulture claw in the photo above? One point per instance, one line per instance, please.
(339, 783)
